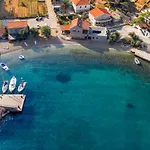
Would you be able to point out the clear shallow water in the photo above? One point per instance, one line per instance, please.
(88, 113)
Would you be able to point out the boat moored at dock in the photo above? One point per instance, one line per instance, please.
(5, 86)
(21, 86)
(21, 57)
(4, 66)
(136, 60)
(12, 84)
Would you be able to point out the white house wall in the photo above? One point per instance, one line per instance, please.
(97, 37)
(92, 20)
(80, 8)
(103, 17)
(76, 33)
(74, 7)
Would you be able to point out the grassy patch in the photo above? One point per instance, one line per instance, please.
(22, 8)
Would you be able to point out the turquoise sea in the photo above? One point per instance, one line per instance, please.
(75, 104)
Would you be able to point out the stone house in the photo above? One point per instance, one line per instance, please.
(79, 29)
(80, 6)
(100, 17)
(15, 27)
(97, 33)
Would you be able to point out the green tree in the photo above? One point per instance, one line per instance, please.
(113, 37)
(1, 25)
(23, 4)
(6, 34)
(92, 2)
(46, 31)
(138, 43)
(133, 36)
(34, 32)
(135, 41)
(65, 5)
(126, 40)
(22, 34)
(132, 43)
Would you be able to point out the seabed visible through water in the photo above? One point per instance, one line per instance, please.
(77, 101)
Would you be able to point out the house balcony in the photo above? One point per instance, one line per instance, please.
(103, 22)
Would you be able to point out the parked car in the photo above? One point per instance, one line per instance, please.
(37, 18)
(40, 18)
(38, 26)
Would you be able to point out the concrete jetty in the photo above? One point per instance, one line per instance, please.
(142, 54)
(12, 102)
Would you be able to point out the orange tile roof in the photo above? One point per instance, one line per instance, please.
(144, 26)
(101, 1)
(17, 24)
(85, 25)
(140, 3)
(2, 31)
(74, 23)
(81, 2)
(65, 27)
(80, 23)
(98, 12)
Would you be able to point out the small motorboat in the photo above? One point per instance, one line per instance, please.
(5, 86)
(22, 86)
(21, 57)
(137, 61)
(12, 84)
(4, 66)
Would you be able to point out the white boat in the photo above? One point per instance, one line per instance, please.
(4, 66)
(137, 61)
(21, 57)
(22, 86)
(12, 84)
(5, 86)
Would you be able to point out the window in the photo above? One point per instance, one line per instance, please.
(85, 31)
(78, 30)
(93, 38)
(80, 6)
(97, 38)
(97, 32)
(85, 6)
(73, 30)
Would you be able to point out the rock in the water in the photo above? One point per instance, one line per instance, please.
(129, 105)
(61, 92)
(3, 111)
(63, 78)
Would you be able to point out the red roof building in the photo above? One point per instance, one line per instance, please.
(17, 24)
(78, 22)
(81, 2)
(96, 12)
(15, 27)
(100, 17)
(81, 5)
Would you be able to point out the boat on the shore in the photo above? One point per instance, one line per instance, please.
(12, 84)
(21, 86)
(137, 61)
(5, 86)
(21, 57)
(4, 66)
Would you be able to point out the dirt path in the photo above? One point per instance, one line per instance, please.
(52, 17)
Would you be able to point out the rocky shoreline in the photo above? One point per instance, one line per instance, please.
(3, 112)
